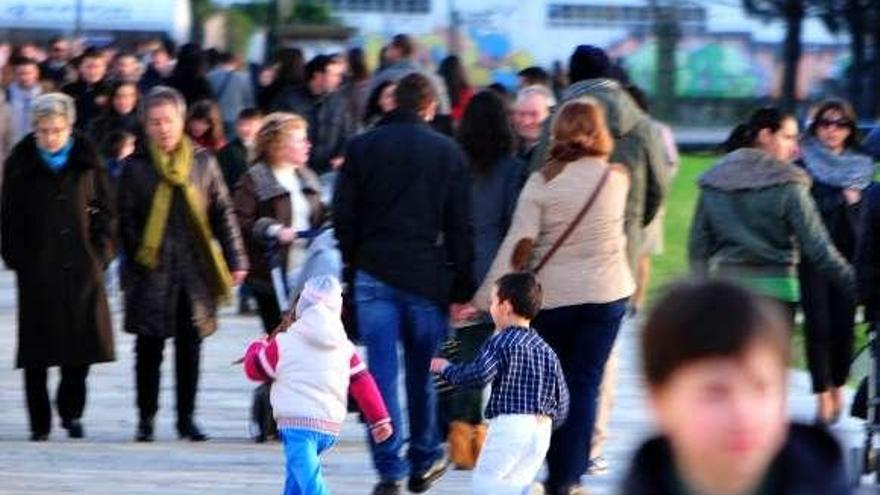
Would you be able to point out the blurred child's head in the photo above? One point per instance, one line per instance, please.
(516, 299)
(118, 145)
(324, 290)
(247, 125)
(715, 358)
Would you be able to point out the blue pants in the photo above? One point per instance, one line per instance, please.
(582, 337)
(303, 449)
(386, 316)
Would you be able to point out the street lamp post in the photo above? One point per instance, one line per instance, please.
(77, 20)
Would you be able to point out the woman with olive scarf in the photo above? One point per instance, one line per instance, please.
(830, 154)
(183, 253)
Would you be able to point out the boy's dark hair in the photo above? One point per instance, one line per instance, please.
(415, 92)
(702, 319)
(404, 45)
(535, 75)
(112, 144)
(523, 292)
(18, 61)
(318, 63)
(250, 113)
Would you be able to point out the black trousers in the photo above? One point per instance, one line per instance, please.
(829, 321)
(70, 399)
(267, 306)
(187, 355)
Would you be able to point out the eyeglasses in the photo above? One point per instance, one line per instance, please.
(839, 123)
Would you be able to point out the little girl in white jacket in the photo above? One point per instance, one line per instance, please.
(312, 366)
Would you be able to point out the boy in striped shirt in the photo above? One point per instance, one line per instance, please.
(528, 395)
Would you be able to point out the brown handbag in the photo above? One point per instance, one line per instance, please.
(577, 220)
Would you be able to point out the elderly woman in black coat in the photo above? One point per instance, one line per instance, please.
(183, 253)
(57, 231)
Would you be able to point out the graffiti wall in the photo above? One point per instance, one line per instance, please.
(495, 43)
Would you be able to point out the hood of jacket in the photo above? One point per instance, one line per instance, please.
(751, 168)
(319, 327)
(810, 463)
(621, 111)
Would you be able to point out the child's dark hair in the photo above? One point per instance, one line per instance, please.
(250, 113)
(523, 292)
(744, 135)
(702, 319)
(112, 144)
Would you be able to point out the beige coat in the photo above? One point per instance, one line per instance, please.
(591, 266)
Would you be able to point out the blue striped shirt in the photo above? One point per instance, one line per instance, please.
(524, 371)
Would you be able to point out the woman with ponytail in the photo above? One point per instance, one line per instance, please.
(568, 229)
(756, 219)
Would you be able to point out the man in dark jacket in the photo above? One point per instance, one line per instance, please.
(401, 210)
(236, 156)
(636, 145)
(183, 252)
(319, 102)
(92, 89)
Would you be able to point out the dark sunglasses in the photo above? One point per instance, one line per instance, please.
(839, 123)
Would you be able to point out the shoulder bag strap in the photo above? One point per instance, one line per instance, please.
(577, 220)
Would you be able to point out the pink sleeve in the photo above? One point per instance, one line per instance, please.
(260, 360)
(365, 392)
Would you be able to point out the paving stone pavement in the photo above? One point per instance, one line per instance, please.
(109, 462)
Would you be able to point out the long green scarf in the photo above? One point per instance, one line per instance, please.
(174, 169)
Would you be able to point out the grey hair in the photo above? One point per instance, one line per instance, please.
(537, 89)
(162, 95)
(52, 105)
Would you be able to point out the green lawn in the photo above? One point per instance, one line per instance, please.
(672, 264)
(682, 200)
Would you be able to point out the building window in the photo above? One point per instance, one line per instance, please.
(691, 16)
(383, 6)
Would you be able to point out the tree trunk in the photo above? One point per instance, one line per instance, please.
(794, 17)
(856, 20)
(667, 31)
(873, 103)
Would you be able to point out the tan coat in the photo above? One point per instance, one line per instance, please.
(591, 266)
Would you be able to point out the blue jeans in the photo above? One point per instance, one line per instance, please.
(386, 316)
(303, 449)
(582, 337)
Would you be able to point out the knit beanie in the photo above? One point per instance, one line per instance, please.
(588, 62)
(322, 289)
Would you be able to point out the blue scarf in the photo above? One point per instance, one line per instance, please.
(849, 169)
(57, 160)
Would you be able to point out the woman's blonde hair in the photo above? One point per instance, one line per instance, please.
(579, 130)
(273, 131)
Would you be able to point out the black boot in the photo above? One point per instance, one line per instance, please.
(187, 429)
(145, 430)
(74, 428)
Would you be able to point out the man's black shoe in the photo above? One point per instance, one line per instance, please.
(144, 430)
(422, 482)
(189, 431)
(74, 428)
(388, 488)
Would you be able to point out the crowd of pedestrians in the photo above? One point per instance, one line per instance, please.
(407, 210)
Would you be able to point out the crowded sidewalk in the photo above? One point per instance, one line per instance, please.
(230, 463)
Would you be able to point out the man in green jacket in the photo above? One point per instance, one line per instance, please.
(636, 145)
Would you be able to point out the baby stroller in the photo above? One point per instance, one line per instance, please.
(866, 405)
(322, 258)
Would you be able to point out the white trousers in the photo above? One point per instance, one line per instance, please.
(512, 455)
